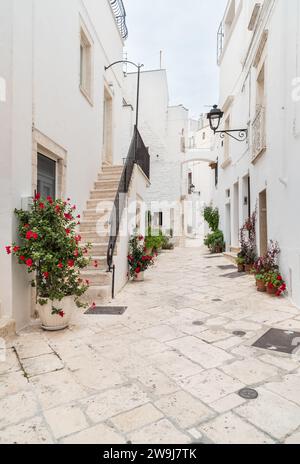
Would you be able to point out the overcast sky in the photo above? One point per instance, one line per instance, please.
(186, 31)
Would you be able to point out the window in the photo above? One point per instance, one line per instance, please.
(203, 136)
(229, 18)
(86, 64)
(46, 176)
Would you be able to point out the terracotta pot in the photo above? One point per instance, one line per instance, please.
(248, 268)
(52, 322)
(261, 286)
(218, 250)
(241, 268)
(271, 291)
(139, 277)
(149, 251)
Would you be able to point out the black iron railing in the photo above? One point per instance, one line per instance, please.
(120, 15)
(138, 154)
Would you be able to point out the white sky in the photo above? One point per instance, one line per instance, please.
(186, 31)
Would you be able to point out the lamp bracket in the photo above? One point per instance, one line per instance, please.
(242, 134)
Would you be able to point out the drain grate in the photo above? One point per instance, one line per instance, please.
(216, 300)
(106, 310)
(284, 341)
(248, 394)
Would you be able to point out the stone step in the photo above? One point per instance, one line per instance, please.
(96, 277)
(96, 236)
(99, 294)
(95, 215)
(113, 177)
(234, 249)
(116, 168)
(101, 203)
(231, 256)
(101, 263)
(103, 194)
(94, 226)
(107, 185)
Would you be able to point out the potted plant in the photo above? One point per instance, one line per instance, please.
(240, 261)
(267, 263)
(215, 241)
(50, 249)
(275, 283)
(138, 260)
(260, 282)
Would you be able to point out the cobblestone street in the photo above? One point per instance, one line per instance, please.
(167, 371)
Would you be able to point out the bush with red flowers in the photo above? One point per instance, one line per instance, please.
(274, 281)
(138, 260)
(50, 249)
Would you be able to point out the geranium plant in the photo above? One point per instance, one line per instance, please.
(51, 250)
(274, 281)
(248, 240)
(138, 260)
(268, 262)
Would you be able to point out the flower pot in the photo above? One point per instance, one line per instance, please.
(139, 277)
(241, 268)
(261, 286)
(148, 251)
(248, 268)
(218, 250)
(52, 322)
(271, 291)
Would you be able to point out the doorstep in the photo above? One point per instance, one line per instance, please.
(231, 256)
(7, 327)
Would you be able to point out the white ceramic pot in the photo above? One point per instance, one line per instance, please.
(53, 322)
(139, 277)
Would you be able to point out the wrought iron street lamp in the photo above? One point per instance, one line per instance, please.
(215, 116)
(139, 67)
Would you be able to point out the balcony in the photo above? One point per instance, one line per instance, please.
(259, 133)
(120, 15)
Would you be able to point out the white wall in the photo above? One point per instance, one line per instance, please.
(40, 60)
(277, 169)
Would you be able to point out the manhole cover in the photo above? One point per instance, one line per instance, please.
(227, 267)
(284, 341)
(233, 275)
(248, 394)
(107, 310)
(239, 333)
(198, 323)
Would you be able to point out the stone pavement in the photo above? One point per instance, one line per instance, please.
(167, 371)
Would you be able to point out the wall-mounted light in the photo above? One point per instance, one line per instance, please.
(215, 116)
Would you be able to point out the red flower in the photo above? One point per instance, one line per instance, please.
(138, 270)
(87, 282)
(26, 226)
(96, 264)
(74, 207)
(60, 265)
(16, 249)
(22, 258)
(78, 238)
(71, 263)
(35, 236)
(29, 262)
(93, 305)
(46, 275)
(270, 285)
(49, 199)
(141, 238)
(28, 235)
(279, 278)
(68, 216)
(8, 250)
(68, 199)
(57, 208)
(61, 314)
(68, 231)
(37, 197)
(78, 217)
(42, 206)
(76, 253)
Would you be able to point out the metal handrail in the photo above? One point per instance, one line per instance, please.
(120, 15)
(137, 154)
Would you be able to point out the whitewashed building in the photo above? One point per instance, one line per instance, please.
(180, 154)
(259, 59)
(61, 117)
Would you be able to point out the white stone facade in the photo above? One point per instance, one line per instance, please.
(53, 56)
(259, 56)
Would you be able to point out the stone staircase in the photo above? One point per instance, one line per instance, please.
(95, 229)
